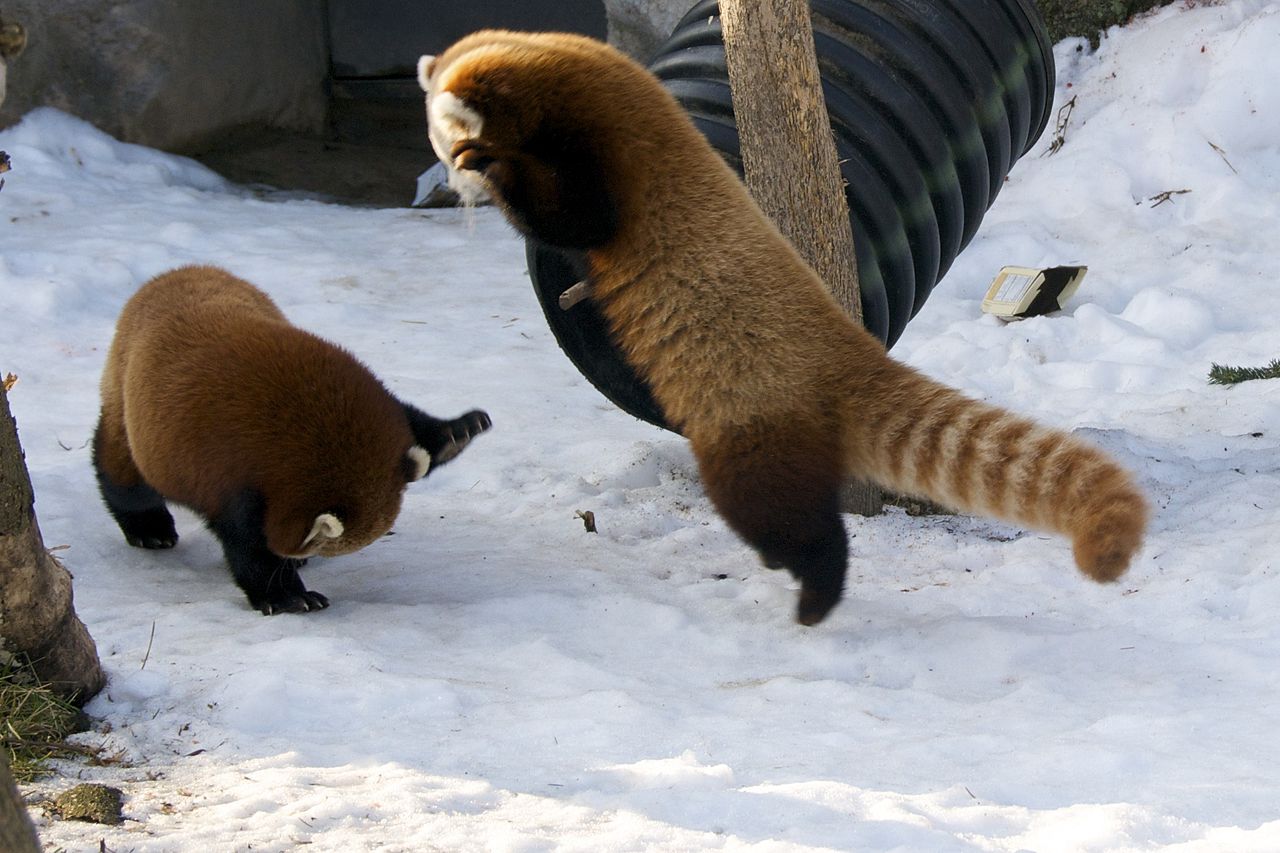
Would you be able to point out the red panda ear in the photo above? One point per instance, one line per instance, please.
(327, 526)
(426, 65)
(417, 463)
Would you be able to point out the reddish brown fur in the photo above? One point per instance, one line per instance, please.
(208, 390)
(779, 392)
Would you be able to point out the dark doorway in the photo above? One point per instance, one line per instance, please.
(384, 38)
(376, 144)
(374, 47)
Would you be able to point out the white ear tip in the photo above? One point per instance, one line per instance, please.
(326, 526)
(421, 461)
(424, 70)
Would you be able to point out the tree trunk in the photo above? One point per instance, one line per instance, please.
(13, 38)
(789, 154)
(37, 617)
(17, 835)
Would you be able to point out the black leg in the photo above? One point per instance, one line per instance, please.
(444, 440)
(270, 581)
(819, 564)
(553, 188)
(779, 490)
(138, 509)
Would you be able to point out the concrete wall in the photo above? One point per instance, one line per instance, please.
(170, 73)
(174, 74)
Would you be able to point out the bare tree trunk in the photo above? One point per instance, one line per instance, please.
(37, 617)
(13, 38)
(17, 835)
(789, 154)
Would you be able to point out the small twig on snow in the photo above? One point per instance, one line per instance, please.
(1060, 131)
(150, 640)
(1160, 198)
(1223, 155)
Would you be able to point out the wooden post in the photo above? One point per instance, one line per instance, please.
(789, 154)
(13, 39)
(37, 617)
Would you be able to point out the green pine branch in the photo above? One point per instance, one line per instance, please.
(1222, 375)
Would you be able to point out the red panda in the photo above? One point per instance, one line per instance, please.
(286, 444)
(781, 395)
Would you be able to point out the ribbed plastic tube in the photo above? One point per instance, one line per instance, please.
(931, 103)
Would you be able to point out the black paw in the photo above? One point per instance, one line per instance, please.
(151, 528)
(820, 567)
(815, 603)
(293, 602)
(457, 434)
(472, 155)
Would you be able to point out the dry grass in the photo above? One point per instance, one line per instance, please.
(34, 724)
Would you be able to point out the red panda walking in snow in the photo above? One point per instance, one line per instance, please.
(286, 444)
(781, 395)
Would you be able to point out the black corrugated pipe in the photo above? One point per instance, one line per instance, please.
(931, 103)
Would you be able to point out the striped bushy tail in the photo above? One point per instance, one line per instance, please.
(924, 439)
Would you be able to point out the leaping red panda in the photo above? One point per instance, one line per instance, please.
(286, 444)
(780, 394)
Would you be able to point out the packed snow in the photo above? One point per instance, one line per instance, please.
(494, 677)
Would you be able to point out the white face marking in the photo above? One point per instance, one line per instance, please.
(449, 120)
(327, 526)
(421, 461)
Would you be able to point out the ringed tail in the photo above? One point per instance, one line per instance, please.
(931, 441)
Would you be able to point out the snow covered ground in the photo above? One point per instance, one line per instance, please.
(494, 677)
